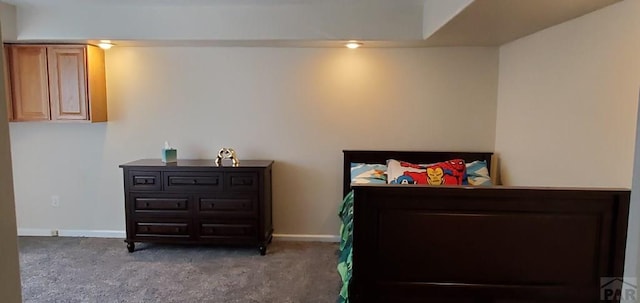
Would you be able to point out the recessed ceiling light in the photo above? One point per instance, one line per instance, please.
(105, 44)
(353, 44)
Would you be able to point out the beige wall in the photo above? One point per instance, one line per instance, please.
(568, 104)
(10, 291)
(567, 101)
(298, 106)
(8, 16)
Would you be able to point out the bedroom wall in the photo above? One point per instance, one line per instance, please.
(298, 106)
(10, 288)
(568, 104)
(567, 101)
(632, 268)
(8, 16)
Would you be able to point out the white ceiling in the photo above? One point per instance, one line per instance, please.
(495, 22)
(288, 23)
(204, 2)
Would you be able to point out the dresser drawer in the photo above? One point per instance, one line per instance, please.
(150, 203)
(151, 229)
(238, 205)
(241, 181)
(228, 230)
(192, 181)
(144, 180)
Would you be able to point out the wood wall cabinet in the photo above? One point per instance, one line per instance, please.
(56, 82)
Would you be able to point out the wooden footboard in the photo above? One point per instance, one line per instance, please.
(496, 244)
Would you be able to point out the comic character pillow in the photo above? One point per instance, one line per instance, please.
(368, 173)
(450, 172)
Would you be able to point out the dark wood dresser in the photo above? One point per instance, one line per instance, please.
(197, 202)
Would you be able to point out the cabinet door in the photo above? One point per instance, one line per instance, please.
(67, 83)
(29, 83)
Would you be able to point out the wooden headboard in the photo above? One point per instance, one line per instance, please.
(418, 157)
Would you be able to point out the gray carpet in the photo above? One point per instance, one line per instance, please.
(101, 270)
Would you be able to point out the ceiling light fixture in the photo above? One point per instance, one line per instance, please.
(105, 44)
(353, 44)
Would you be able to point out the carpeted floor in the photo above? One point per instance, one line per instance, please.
(57, 269)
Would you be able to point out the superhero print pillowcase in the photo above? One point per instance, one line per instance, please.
(450, 172)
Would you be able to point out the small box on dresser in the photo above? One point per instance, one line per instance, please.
(197, 202)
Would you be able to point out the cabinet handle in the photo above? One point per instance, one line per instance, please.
(178, 204)
(143, 180)
(242, 182)
(182, 181)
(146, 204)
(185, 181)
(212, 205)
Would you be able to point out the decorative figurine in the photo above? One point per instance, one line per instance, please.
(227, 153)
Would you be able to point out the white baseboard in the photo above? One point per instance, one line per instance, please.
(307, 238)
(35, 232)
(120, 234)
(43, 232)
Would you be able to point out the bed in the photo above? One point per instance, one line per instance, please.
(445, 244)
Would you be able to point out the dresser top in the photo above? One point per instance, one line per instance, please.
(196, 163)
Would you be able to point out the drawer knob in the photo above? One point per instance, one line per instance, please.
(177, 204)
(212, 205)
(146, 204)
(195, 181)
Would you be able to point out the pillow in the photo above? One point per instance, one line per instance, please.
(368, 173)
(450, 172)
(478, 174)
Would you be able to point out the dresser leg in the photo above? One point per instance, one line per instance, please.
(262, 249)
(131, 246)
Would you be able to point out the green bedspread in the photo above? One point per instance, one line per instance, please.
(346, 237)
